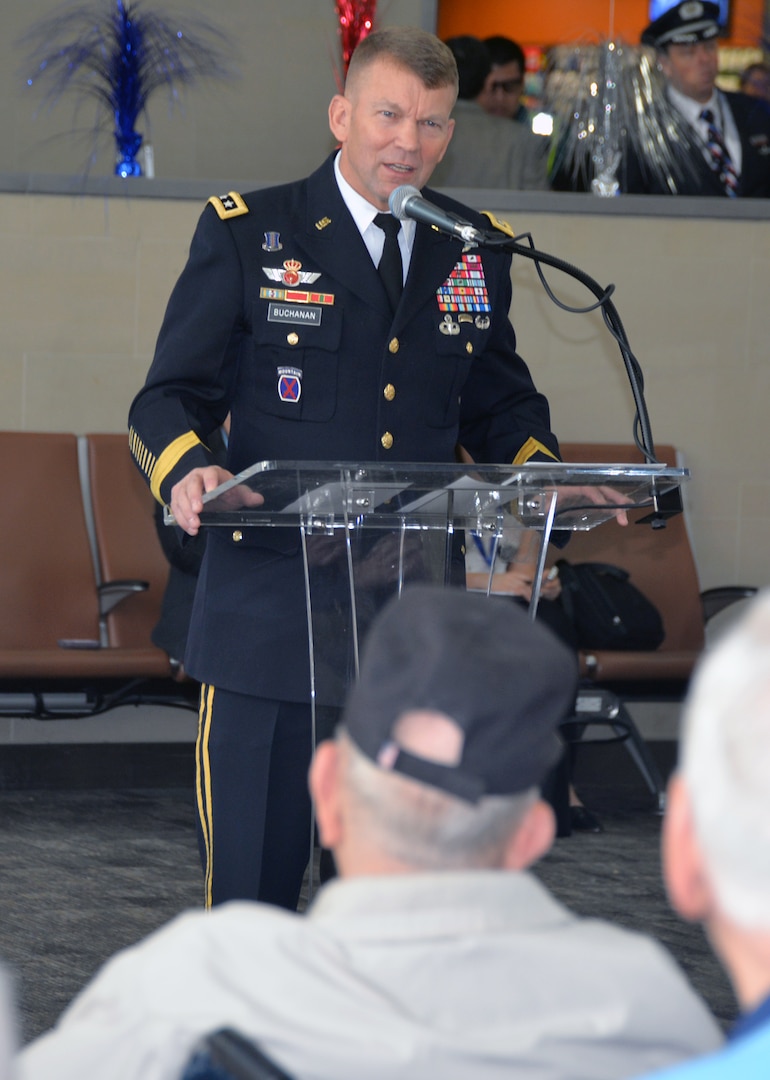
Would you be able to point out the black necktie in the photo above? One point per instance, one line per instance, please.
(391, 269)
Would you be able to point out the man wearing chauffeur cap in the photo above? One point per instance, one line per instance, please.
(434, 953)
(722, 144)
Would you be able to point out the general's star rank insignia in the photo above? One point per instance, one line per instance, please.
(230, 205)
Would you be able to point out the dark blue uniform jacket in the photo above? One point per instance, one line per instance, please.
(280, 319)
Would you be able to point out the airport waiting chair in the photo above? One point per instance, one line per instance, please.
(661, 564)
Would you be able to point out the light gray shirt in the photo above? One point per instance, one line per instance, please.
(452, 975)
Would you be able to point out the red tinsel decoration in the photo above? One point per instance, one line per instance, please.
(356, 19)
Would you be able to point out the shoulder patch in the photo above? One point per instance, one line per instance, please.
(230, 205)
(502, 226)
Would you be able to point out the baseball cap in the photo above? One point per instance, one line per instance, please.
(504, 680)
(684, 24)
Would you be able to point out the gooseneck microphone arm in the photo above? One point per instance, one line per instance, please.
(407, 201)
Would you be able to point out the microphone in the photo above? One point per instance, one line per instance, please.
(408, 202)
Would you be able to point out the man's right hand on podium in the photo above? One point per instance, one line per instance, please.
(187, 496)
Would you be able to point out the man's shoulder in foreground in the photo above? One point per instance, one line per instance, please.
(475, 974)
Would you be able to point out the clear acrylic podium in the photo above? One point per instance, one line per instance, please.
(369, 529)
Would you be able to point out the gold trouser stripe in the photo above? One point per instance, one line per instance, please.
(203, 786)
(173, 453)
(529, 449)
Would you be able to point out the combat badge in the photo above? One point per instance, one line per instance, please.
(448, 326)
(289, 384)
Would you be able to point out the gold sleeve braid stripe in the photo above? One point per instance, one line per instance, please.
(157, 469)
(529, 449)
(170, 457)
(141, 455)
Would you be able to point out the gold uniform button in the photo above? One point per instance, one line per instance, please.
(394, 345)
(469, 346)
(389, 392)
(292, 338)
(237, 536)
(387, 440)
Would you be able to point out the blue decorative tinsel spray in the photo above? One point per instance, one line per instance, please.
(119, 53)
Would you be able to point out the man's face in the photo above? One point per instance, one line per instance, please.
(692, 69)
(501, 95)
(393, 130)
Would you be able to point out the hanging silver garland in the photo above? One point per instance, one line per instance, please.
(609, 100)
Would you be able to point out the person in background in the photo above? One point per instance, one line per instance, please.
(436, 953)
(716, 834)
(504, 85)
(724, 148)
(487, 151)
(514, 565)
(755, 81)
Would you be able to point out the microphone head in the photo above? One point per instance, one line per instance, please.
(398, 200)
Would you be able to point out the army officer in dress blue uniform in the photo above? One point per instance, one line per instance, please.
(281, 320)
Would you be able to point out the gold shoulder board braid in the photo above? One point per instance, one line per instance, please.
(503, 226)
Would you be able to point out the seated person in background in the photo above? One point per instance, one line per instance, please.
(435, 953)
(716, 834)
(755, 81)
(515, 560)
(487, 151)
(725, 146)
(504, 85)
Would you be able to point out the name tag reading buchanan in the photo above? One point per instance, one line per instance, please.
(308, 314)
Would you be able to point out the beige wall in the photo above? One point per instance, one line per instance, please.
(692, 294)
(84, 281)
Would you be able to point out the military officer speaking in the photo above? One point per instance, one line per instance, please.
(281, 320)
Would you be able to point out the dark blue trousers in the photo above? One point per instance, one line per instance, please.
(254, 820)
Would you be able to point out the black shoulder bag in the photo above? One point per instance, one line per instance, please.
(607, 611)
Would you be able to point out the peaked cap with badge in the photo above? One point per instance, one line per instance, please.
(688, 23)
(684, 24)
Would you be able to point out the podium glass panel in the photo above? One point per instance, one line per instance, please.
(369, 529)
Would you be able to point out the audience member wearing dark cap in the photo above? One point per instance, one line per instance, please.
(724, 146)
(487, 151)
(435, 953)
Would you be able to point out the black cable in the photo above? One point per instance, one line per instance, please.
(642, 433)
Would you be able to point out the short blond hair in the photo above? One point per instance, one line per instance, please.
(411, 48)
